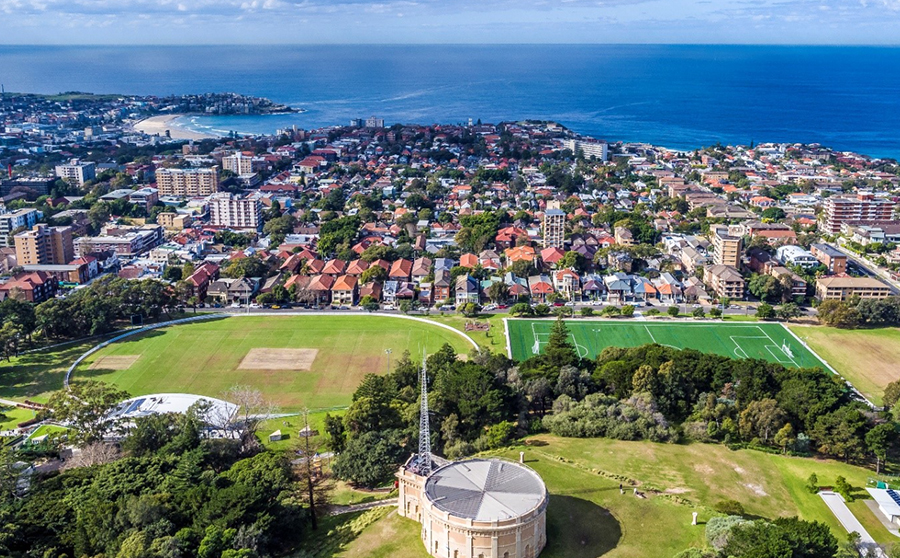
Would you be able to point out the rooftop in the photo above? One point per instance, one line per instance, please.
(485, 489)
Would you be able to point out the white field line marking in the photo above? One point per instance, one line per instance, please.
(774, 344)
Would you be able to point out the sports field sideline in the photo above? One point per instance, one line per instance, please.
(768, 341)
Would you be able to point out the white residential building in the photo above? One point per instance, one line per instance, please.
(77, 172)
(795, 255)
(226, 210)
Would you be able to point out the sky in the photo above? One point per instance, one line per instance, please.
(449, 21)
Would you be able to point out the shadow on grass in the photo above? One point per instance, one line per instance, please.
(578, 528)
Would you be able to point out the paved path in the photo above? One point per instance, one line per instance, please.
(835, 502)
(340, 510)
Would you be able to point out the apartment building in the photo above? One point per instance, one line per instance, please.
(726, 247)
(554, 228)
(177, 221)
(590, 148)
(862, 208)
(226, 210)
(842, 288)
(832, 258)
(44, 245)
(238, 163)
(790, 254)
(123, 241)
(21, 219)
(77, 172)
(187, 182)
(725, 281)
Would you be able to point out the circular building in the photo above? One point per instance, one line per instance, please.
(478, 508)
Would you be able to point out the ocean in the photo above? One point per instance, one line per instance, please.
(676, 96)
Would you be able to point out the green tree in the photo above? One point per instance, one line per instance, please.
(84, 406)
(891, 394)
(698, 313)
(370, 459)
(765, 287)
(673, 311)
(812, 483)
(524, 309)
(374, 273)
(765, 311)
(559, 350)
(879, 441)
(785, 437)
(789, 311)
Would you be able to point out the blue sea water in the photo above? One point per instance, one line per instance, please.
(677, 96)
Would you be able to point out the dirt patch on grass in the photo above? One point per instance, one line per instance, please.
(114, 362)
(756, 489)
(278, 359)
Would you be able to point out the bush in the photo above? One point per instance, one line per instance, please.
(698, 313)
(715, 313)
(541, 310)
(673, 311)
(587, 311)
(627, 311)
(842, 487)
(652, 312)
(729, 507)
(718, 529)
(812, 484)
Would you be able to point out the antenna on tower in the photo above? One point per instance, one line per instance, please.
(424, 429)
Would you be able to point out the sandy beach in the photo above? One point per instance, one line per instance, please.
(159, 124)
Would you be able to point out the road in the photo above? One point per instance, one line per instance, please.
(870, 268)
(835, 502)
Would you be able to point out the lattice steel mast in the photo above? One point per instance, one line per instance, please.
(424, 429)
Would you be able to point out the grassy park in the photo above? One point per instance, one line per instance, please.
(752, 340)
(588, 517)
(296, 361)
(866, 357)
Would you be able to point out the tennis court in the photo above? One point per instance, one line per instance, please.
(768, 341)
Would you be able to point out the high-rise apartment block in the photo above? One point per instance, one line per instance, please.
(862, 208)
(554, 228)
(77, 172)
(238, 163)
(226, 210)
(44, 245)
(727, 248)
(187, 182)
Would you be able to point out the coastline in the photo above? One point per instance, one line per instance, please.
(157, 125)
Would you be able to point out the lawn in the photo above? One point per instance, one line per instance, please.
(866, 357)
(737, 340)
(205, 358)
(34, 375)
(588, 517)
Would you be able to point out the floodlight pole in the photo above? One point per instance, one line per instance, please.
(388, 353)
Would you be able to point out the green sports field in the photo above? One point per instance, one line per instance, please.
(740, 340)
(207, 358)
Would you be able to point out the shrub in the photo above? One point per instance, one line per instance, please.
(627, 311)
(652, 312)
(587, 311)
(673, 311)
(812, 484)
(729, 507)
(698, 313)
(718, 529)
